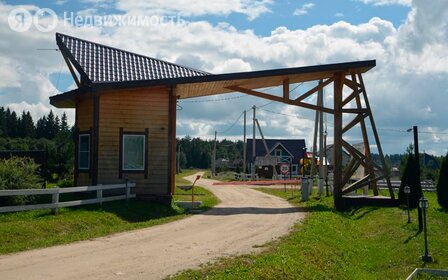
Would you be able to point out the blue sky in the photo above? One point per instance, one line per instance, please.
(408, 39)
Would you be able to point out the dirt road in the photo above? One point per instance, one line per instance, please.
(243, 219)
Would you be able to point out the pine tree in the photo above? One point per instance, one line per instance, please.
(12, 124)
(410, 178)
(2, 121)
(50, 126)
(41, 128)
(26, 125)
(64, 124)
(442, 184)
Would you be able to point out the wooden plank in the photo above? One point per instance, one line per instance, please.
(355, 111)
(337, 140)
(314, 89)
(377, 138)
(286, 90)
(365, 138)
(354, 122)
(361, 183)
(257, 93)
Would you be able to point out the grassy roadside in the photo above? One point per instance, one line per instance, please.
(36, 229)
(367, 243)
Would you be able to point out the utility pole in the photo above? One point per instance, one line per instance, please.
(244, 145)
(320, 102)
(253, 144)
(417, 158)
(214, 156)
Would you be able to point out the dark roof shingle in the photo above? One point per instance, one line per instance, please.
(101, 63)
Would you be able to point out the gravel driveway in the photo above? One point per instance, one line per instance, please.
(244, 218)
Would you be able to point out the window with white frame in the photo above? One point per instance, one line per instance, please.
(278, 152)
(84, 152)
(133, 152)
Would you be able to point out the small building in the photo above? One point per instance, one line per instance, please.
(125, 106)
(280, 152)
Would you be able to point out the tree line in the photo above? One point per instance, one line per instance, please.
(50, 133)
(49, 126)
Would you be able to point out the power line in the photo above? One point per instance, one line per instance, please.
(230, 127)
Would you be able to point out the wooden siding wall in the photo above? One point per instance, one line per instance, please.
(134, 111)
(84, 120)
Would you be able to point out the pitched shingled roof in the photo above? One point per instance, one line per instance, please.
(98, 63)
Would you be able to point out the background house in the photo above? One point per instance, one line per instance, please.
(281, 151)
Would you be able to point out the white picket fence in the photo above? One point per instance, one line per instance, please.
(55, 192)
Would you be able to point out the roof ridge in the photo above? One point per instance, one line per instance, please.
(59, 37)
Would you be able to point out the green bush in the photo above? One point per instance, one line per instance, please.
(410, 178)
(442, 184)
(18, 173)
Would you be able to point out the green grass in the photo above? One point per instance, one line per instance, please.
(36, 229)
(365, 243)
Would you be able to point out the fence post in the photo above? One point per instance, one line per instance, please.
(99, 195)
(126, 177)
(55, 201)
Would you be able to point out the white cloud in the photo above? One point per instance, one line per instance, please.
(251, 8)
(339, 15)
(304, 9)
(410, 77)
(387, 2)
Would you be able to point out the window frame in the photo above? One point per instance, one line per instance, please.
(280, 152)
(124, 155)
(89, 151)
(121, 171)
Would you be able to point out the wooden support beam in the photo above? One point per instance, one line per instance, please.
(350, 97)
(279, 99)
(370, 170)
(377, 138)
(355, 110)
(286, 90)
(257, 93)
(314, 89)
(72, 71)
(354, 122)
(361, 183)
(337, 140)
(352, 84)
(314, 107)
(350, 170)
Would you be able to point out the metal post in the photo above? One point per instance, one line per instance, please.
(419, 185)
(326, 164)
(409, 214)
(244, 145)
(214, 156)
(253, 144)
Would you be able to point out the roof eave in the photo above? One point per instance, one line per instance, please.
(68, 99)
(360, 66)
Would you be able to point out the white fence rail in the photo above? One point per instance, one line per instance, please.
(55, 192)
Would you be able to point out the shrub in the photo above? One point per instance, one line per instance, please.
(442, 184)
(18, 173)
(410, 178)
